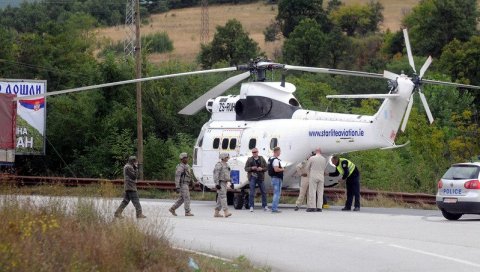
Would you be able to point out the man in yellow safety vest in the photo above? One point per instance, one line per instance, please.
(349, 173)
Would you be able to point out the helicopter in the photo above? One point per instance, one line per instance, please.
(267, 114)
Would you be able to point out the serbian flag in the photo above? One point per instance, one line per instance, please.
(33, 104)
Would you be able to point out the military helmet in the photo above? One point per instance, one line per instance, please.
(224, 155)
(183, 155)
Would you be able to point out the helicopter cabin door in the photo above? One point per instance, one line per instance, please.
(216, 141)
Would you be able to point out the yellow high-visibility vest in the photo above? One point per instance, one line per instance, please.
(351, 167)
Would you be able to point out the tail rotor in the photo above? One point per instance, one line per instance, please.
(416, 80)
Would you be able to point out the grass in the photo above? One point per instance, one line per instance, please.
(57, 236)
(183, 25)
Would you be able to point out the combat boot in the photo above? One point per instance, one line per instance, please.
(188, 214)
(172, 211)
(227, 213)
(217, 213)
(141, 216)
(118, 215)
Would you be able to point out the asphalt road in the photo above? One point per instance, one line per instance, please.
(374, 239)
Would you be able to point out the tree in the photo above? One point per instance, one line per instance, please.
(466, 144)
(358, 19)
(333, 5)
(462, 60)
(434, 23)
(306, 45)
(272, 32)
(230, 44)
(338, 48)
(292, 12)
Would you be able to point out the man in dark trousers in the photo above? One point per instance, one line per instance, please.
(130, 172)
(256, 166)
(351, 175)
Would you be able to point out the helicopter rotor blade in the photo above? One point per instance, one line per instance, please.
(409, 50)
(407, 113)
(425, 66)
(390, 75)
(127, 82)
(199, 103)
(458, 85)
(425, 106)
(332, 71)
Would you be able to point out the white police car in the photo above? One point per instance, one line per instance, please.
(459, 190)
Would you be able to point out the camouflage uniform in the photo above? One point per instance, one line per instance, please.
(221, 175)
(130, 173)
(183, 178)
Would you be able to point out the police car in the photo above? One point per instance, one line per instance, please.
(459, 190)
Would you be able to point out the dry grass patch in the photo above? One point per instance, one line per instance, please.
(183, 25)
(59, 236)
(183, 28)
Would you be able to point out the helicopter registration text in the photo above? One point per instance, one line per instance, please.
(223, 106)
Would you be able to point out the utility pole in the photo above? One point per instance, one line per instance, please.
(138, 66)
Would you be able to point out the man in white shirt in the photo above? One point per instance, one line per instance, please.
(316, 168)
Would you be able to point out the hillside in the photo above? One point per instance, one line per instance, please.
(183, 25)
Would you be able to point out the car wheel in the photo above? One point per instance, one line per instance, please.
(451, 216)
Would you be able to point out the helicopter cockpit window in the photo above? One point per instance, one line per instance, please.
(225, 143)
(252, 143)
(273, 143)
(233, 143)
(216, 143)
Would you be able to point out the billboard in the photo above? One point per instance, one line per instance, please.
(31, 114)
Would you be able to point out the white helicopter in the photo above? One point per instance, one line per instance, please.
(267, 114)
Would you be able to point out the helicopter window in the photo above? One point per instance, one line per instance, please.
(239, 108)
(225, 143)
(273, 143)
(216, 143)
(200, 142)
(252, 143)
(233, 143)
(293, 102)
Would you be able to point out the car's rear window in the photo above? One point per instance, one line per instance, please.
(462, 172)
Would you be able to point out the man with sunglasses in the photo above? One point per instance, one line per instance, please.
(256, 166)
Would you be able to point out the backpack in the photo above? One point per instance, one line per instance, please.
(271, 171)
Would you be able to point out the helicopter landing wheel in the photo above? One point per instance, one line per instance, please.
(238, 201)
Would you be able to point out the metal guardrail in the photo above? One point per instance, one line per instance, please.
(332, 193)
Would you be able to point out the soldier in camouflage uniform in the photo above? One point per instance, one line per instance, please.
(183, 178)
(130, 173)
(221, 175)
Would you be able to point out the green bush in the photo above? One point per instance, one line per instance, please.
(153, 43)
(157, 43)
